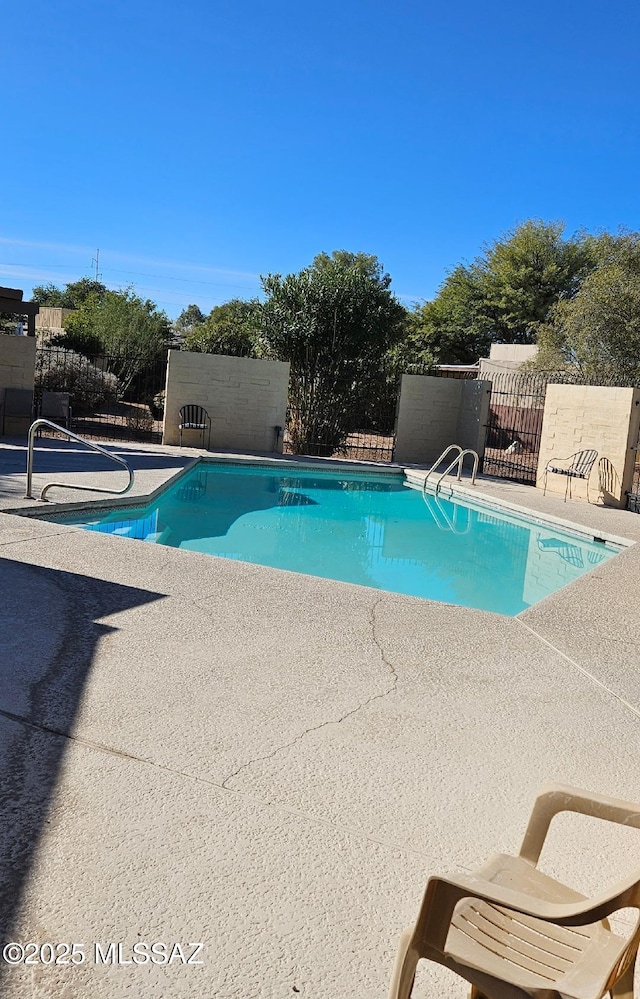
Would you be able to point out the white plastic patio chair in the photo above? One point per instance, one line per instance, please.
(513, 932)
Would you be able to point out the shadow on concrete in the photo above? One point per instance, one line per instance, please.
(49, 630)
(64, 456)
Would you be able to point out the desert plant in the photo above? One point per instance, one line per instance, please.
(140, 421)
(157, 405)
(66, 371)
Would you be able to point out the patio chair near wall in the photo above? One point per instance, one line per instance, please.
(56, 406)
(580, 467)
(194, 417)
(17, 405)
(514, 932)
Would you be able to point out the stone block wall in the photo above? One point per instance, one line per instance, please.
(246, 399)
(578, 417)
(473, 414)
(50, 322)
(17, 370)
(435, 412)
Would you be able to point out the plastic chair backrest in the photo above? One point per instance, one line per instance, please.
(55, 405)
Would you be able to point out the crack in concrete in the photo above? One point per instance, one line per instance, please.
(122, 754)
(581, 669)
(332, 721)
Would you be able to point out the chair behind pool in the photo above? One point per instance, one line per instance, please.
(193, 417)
(514, 932)
(56, 406)
(17, 405)
(580, 468)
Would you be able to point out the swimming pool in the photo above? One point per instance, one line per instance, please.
(367, 528)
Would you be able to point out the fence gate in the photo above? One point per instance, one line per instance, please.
(514, 427)
(113, 397)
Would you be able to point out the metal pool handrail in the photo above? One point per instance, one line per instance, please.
(452, 447)
(67, 485)
(459, 460)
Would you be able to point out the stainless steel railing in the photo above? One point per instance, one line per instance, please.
(458, 460)
(438, 461)
(68, 485)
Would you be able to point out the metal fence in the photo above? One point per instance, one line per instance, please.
(633, 496)
(354, 419)
(514, 426)
(113, 397)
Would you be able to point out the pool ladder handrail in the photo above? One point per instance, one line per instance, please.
(459, 459)
(437, 462)
(41, 422)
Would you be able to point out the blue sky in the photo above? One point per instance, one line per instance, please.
(201, 144)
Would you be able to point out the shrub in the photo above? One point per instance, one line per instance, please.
(140, 421)
(66, 371)
(157, 405)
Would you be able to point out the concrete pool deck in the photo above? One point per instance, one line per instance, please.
(200, 750)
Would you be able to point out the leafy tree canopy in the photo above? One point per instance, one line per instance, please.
(597, 332)
(230, 328)
(189, 318)
(334, 322)
(119, 323)
(505, 295)
(69, 297)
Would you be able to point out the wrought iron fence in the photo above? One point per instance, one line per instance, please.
(113, 397)
(514, 426)
(354, 420)
(633, 496)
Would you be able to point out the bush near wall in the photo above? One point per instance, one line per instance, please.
(87, 385)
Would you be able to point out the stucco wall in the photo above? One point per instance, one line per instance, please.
(17, 370)
(245, 398)
(51, 318)
(50, 322)
(435, 412)
(578, 417)
(506, 357)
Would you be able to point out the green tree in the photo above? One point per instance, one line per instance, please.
(231, 328)
(454, 328)
(188, 319)
(71, 296)
(133, 331)
(334, 322)
(506, 295)
(597, 333)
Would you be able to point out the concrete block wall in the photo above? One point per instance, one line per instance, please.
(246, 399)
(578, 417)
(506, 357)
(17, 370)
(435, 412)
(473, 414)
(50, 322)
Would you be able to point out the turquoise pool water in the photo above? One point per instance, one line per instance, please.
(369, 529)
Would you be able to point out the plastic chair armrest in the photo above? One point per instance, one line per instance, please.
(554, 798)
(444, 893)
